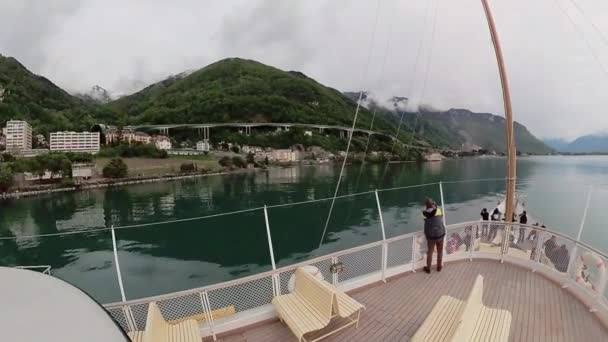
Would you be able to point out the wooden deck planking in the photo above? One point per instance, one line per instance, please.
(541, 310)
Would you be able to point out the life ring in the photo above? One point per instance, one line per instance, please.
(586, 260)
(291, 284)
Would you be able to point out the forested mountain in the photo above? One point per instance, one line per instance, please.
(239, 90)
(24, 95)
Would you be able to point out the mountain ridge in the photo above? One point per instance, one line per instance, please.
(457, 128)
(230, 90)
(590, 143)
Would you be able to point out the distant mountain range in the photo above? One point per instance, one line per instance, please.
(457, 128)
(594, 143)
(239, 90)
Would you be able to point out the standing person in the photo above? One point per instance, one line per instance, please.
(485, 216)
(523, 220)
(494, 227)
(434, 230)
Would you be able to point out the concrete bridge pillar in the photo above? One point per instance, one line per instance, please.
(247, 130)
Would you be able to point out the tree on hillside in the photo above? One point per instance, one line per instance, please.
(116, 168)
(6, 177)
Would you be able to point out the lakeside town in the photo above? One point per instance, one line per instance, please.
(109, 155)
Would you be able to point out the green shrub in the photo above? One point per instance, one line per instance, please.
(239, 162)
(116, 168)
(6, 177)
(187, 167)
(133, 151)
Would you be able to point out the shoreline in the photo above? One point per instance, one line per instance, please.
(118, 183)
(106, 183)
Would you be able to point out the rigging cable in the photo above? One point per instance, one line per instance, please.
(582, 34)
(433, 19)
(371, 126)
(350, 136)
(595, 28)
(412, 82)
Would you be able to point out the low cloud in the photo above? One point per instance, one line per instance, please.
(556, 70)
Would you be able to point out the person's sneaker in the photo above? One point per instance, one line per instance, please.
(426, 269)
(439, 268)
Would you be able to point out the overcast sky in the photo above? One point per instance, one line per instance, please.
(558, 87)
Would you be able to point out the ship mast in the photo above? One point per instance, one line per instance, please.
(506, 95)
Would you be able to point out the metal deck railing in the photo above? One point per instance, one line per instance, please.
(249, 298)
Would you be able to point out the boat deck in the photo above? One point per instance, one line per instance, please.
(541, 310)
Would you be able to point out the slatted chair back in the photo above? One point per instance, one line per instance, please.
(156, 327)
(321, 298)
(472, 310)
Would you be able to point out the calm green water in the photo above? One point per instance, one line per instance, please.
(175, 256)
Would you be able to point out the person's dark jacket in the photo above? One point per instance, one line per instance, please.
(433, 224)
(560, 259)
(485, 215)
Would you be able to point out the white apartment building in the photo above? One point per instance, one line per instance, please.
(203, 146)
(18, 135)
(85, 142)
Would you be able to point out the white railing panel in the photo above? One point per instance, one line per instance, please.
(555, 251)
(399, 252)
(523, 243)
(459, 239)
(181, 307)
(360, 263)
(139, 313)
(118, 314)
(244, 296)
(589, 271)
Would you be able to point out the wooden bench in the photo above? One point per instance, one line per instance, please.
(158, 330)
(312, 305)
(454, 320)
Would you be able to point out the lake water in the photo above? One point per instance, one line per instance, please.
(162, 258)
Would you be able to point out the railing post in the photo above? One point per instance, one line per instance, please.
(119, 275)
(334, 275)
(204, 297)
(580, 232)
(474, 234)
(442, 203)
(384, 244)
(131, 324)
(506, 237)
(445, 238)
(276, 286)
(414, 247)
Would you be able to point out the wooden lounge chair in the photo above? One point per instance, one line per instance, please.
(312, 306)
(454, 320)
(158, 330)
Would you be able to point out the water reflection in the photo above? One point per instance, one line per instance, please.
(177, 256)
